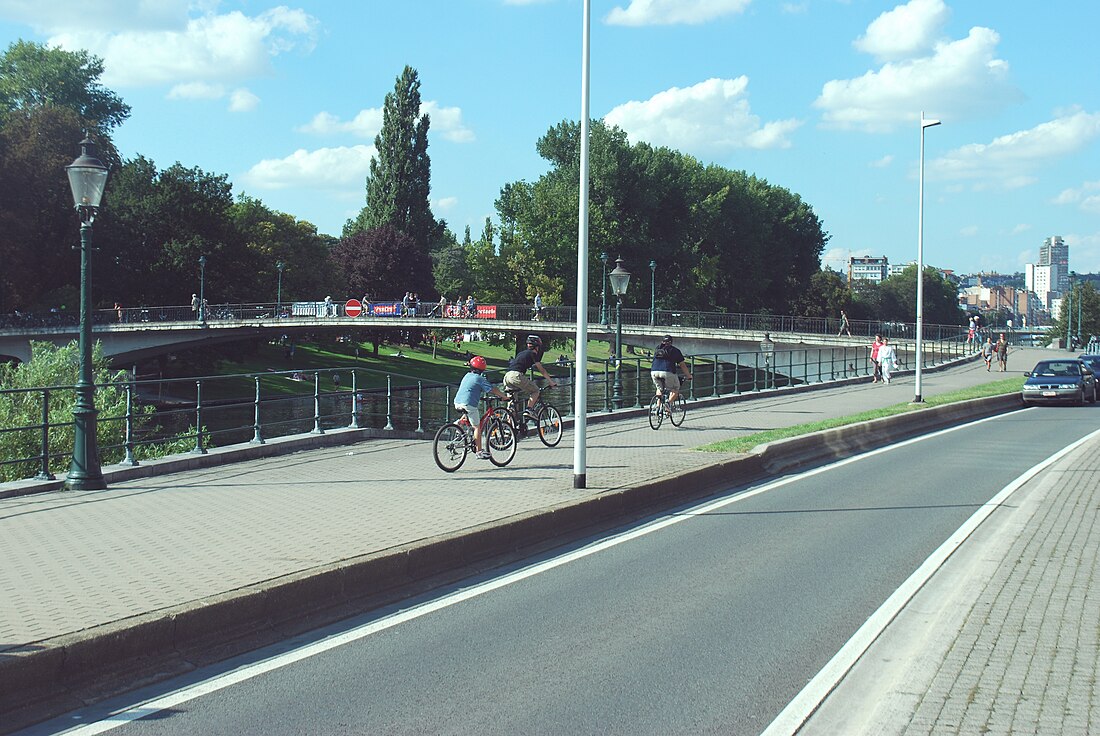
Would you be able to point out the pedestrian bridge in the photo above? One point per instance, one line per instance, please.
(129, 335)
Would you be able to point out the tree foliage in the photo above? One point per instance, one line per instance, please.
(380, 264)
(1082, 299)
(58, 366)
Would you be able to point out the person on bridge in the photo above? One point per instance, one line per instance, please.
(473, 386)
(844, 324)
(662, 371)
(517, 378)
(537, 315)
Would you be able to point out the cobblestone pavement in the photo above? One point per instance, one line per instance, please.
(1005, 638)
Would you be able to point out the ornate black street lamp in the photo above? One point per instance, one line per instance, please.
(603, 297)
(87, 179)
(652, 293)
(279, 294)
(202, 290)
(620, 279)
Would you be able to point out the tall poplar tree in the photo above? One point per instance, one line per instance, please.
(400, 172)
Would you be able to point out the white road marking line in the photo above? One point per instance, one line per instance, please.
(791, 719)
(247, 672)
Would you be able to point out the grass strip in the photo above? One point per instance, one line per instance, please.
(746, 443)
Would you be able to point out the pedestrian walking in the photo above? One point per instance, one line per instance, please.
(844, 328)
(1001, 349)
(987, 352)
(888, 359)
(538, 307)
(876, 346)
(195, 303)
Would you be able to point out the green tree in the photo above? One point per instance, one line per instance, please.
(941, 299)
(34, 76)
(58, 366)
(381, 263)
(400, 173)
(1082, 297)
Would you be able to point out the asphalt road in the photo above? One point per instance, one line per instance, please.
(708, 620)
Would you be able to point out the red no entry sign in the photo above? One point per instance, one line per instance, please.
(353, 308)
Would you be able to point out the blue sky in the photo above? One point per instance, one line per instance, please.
(822, 97)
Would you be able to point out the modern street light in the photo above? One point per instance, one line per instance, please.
(620, 279)
(652, 293)
(924, 123)
(580, 379)
(87, 179)
(1079, 300)
(603, 297)
(202, 290)
(1067, 309)
(279, 294)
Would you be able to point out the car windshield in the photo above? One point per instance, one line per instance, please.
(1057, 368)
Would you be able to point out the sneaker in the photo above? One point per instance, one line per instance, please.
(530, 414)
(483, 455)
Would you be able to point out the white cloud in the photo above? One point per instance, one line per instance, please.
(1021, 228)
(324, 168)
(196, 91)
(904, 32)
(969, 231)
(1008, 160)
(177, 49)
(444, 204)
(243, 100)
(711, 117)
(58, 16)
(960, 78)
(671, 12)
(1087, 197)
(796, 8)
(447, 121)
(882, 163)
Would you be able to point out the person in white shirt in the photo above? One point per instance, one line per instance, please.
(887, 358)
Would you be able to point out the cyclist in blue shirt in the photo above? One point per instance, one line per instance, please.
(663, 369)
(473, 386)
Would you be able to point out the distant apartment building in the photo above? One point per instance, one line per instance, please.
(867, 268)
(1041, 280)
(1054, 252)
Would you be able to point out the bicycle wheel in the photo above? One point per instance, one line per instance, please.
(656, 413)
(500, 440)
(504, 416)
(679, 411)
(449, 447)
(549, 425)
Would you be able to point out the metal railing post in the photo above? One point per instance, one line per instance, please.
(257, 438)
(317, 429)
(389, 403)
(715, 392)
(354, 402)
(44, 464)
(199, 449)
(447, 405)
(691, 384)
(606, 385)
(129, 458)
(637, 383)
(419, 406)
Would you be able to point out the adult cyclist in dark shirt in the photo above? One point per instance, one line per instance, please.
(663, 369)
(517, 378)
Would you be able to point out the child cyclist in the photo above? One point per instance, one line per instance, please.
(473, 386)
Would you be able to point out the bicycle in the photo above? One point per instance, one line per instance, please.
(455, 440)
(675, 411)
(546, 416)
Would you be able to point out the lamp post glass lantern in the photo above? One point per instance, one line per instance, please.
(620, 280)
(202, 290)
(87, 179)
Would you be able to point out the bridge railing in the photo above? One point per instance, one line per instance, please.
(167, 416)
(267, 311)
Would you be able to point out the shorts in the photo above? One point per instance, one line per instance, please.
(473, 411)
(515, 379)
(665, 380)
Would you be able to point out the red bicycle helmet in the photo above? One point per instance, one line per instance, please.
(478, 363)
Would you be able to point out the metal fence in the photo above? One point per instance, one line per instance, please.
(163, 416)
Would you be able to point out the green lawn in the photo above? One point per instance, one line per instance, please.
(744, 444)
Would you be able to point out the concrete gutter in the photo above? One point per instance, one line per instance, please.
(66, 672)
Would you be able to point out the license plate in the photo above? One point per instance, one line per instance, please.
(1050, 393)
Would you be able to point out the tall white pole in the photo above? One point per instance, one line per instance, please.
(580, 406)
(918, 398)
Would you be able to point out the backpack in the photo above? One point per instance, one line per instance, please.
(661, 353)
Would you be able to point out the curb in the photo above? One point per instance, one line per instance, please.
(55, 675)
